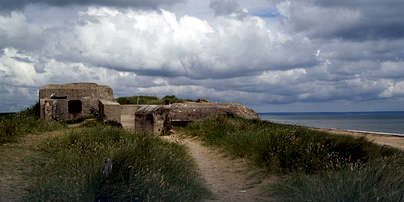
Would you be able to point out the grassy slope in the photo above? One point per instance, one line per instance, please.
(313, 163)
(144, 168)
(14, 126)
(69, 167)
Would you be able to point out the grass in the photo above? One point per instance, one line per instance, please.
(145, 168)
(379, 180)
(14, 126)
(150, 100)
(285, 148)
(313, 165)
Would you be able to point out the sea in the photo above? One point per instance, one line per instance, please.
(388, 123)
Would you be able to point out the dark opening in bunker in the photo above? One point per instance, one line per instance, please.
(149, 118)
(74, 107)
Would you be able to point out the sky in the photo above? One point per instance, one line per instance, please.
(271, 55)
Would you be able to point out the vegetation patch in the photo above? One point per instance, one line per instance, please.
(14, 126)
(313, 165)
(378, 180)
(285, 148)
(149, 100)
(144, 168)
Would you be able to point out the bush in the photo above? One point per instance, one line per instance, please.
(144, 168)
(113, 123)
(34, 110)
(8, 131)
(149, 100)
(139, 100)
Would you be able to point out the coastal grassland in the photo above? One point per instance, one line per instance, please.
(311, 163)
(149, 100)
(144, 168)
(14, 126)
(377, 180)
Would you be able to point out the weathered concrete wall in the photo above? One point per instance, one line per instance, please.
(161, 122)
(157, 119)
(110, 111)
(128, 116)
(188, 112)
(152, 119)
(54, 109)
(87, 93)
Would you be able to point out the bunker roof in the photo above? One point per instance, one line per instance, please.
(72, 86)
(108, 102)
(147, 109)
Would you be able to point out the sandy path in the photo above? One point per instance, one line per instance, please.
(389, 140)
(228, 179)
(16, 161)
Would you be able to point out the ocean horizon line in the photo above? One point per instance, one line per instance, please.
(331, 112)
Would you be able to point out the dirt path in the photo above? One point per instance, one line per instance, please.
(15, 165)
(228, 179)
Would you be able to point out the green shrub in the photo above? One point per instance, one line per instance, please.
(149, 100)
(34, 110)
(8, 131)
(285, 148)
(139, 100)
(145, 168)
(78, 120)
(113, 123)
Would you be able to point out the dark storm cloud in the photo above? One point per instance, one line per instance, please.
(380, 19)
(7, 5)
(22, 59)
(224, 7)
(351, 20)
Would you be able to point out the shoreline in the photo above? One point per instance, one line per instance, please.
(359, 131)
(395, 140)
(388, 139)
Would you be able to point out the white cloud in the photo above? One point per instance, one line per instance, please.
(16, 31)
(151, 43)
(250, 60)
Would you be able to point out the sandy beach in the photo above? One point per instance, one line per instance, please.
(381, 139)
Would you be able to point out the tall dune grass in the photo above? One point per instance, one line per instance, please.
(378, 180)
(312, 165)
(145, 168)
(285, 148)
(14, 126)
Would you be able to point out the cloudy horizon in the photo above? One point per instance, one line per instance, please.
(271, 55)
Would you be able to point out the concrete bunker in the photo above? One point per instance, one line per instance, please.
(72, 101)
(152, 119)
(183, 113)
(128, 116)
(75, 100)
(110, 110)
